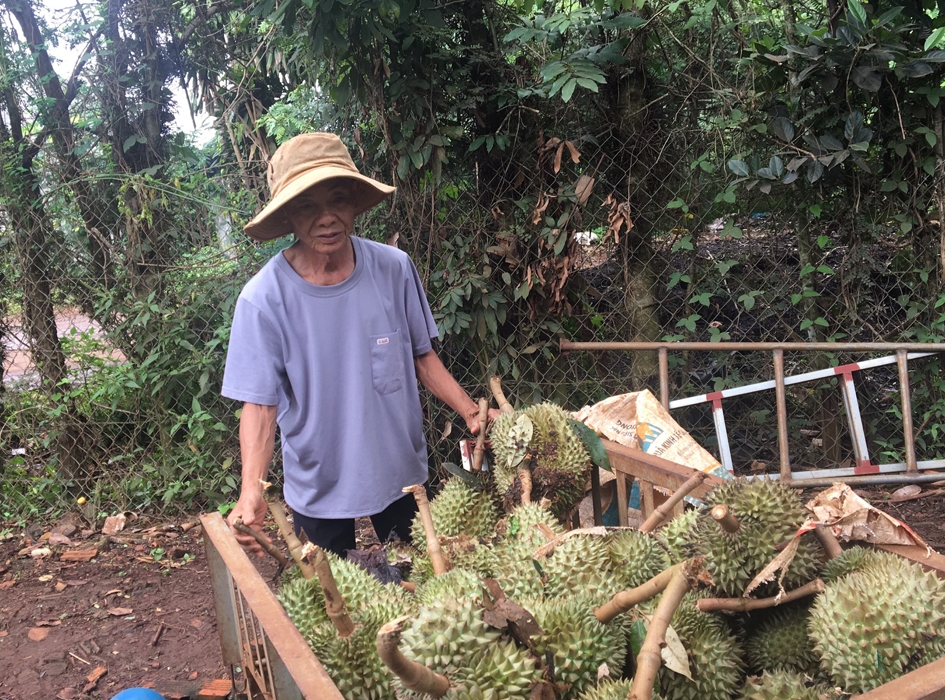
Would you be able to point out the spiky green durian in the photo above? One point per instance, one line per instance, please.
(559, 460)
(715, 656)
(304, 601)
(580, 563)
(458, 509)
(637, 557)
(850, 560)
(462, 552)
(455, 583)
(780, 642)
(770, 513)
(678, 536)
(525, 529)
(450, 638)
(500, 671)
(609, 689)
(878, 623)
(578, 642)
(353, 663)
(782, 685)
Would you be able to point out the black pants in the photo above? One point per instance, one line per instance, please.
(338, 535)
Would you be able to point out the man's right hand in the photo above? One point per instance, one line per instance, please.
(251, 509)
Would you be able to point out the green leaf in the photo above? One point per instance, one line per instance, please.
(739, 167)
(568, 90)
(857, 10)
(935, 38)
(867, 78)
(783, 129)
(592, 443)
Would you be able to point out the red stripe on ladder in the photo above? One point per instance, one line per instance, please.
(865, 467)
(846, 369)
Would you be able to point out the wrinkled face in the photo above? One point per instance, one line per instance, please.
(322, 217)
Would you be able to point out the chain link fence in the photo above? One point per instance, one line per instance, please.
(115, 334)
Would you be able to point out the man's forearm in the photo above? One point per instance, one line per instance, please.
(257, 437)
(436, 378)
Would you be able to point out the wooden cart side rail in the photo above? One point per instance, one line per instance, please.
(294, 670)
(926, 683)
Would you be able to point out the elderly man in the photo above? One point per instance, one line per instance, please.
(328, 341)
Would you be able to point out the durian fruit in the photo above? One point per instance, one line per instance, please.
(782, 685)
(579, 644)
(850, 560)
(609, 689)
(769, 513)
(458, 509)
(462, 552)
(678, 536)
(873, 625)
(715, 656)
(450, 638)
(780, 642)
(352, 662)
(581, 563)
(560, 462)
(455, 583)
(304, 601)
(637, 557)
(525, 529)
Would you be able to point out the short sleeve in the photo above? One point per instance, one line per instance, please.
(420, 321)
(255, 366)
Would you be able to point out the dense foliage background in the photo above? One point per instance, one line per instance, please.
(745, 170)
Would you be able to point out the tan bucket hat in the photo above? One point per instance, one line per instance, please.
(300, 163)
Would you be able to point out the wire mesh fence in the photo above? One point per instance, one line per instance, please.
(115, 329)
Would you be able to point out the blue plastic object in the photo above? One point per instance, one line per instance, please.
(138, 694)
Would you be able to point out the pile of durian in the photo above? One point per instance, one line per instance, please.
(501, 602)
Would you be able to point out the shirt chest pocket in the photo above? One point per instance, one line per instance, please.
(387, 362)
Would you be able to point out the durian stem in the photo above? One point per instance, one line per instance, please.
(624, 600)
(649, 659)
(334, 603)
(747, 604)
(415, 676)
(829, 542)
(546, 531)
(495, 383)
(725, 518)
(437, 557)
(525, 479)
(480, 451)
(661, 513)
(288, 534)
(270, 548)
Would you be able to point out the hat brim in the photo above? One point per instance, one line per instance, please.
(268, 224)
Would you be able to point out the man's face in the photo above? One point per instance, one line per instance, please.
(323, 216)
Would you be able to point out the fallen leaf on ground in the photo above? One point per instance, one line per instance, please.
(48, 623)
(67, 694)
(60, 587)
(114, 524)
(40, 552)
(118, 612)
(907, 491)
(38, 634)
(57, 538)
(7, 584)
(196, 623)
(75, 582)
(3, 633)
(79, 555)
(114, 590)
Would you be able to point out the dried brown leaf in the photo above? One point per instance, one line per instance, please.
(583, 188)
(575, 153)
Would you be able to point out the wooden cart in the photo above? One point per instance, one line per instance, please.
(257, 635)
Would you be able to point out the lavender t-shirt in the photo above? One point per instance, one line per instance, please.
(337, 361)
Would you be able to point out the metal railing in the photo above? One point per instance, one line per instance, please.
(864, 470)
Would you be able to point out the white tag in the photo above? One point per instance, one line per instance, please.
(383, 341)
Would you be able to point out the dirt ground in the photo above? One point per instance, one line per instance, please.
(143, 609)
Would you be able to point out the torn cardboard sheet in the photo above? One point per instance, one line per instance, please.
(639, 420)
(852, 518)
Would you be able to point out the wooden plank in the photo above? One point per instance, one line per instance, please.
(656, 470)
(622, 518)
(646, 499)
(926, 683)
(930, 559)
(300, 663)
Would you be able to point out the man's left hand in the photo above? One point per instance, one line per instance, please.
(472, 420)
